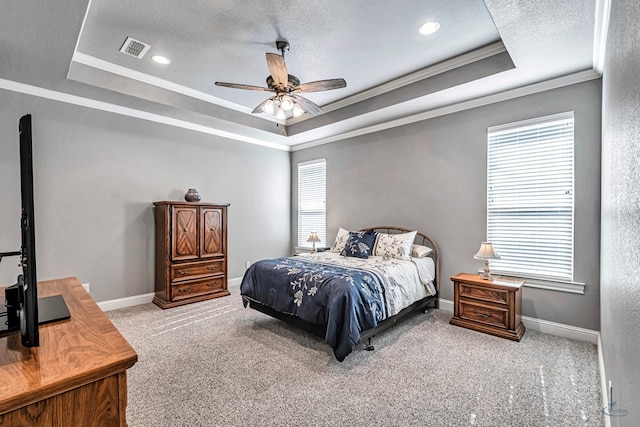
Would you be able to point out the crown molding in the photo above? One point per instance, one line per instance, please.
(109, 67)
(567, 80)
(439, 68)
(459, 61)
(131, 112)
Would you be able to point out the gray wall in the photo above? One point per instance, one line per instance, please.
(620, 261)
(96, 176)
(431, 176)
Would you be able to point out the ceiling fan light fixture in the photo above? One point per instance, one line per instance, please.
(286, 103)
(281, 115)
(297, 110)
(269, 107)
(429, 28)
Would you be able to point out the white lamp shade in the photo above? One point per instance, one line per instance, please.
(486, 251)
(313, 237)
(286, 103)
(281, 114)
(269, 107)
(297, 110)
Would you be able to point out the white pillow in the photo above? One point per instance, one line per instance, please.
(341, 240)
(419, 251)
(394, 245)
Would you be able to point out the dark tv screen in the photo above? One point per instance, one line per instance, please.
(28, 282)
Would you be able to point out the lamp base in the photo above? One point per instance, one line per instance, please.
(484, 275)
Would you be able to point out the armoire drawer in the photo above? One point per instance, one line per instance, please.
(192, 270)
(193, 288)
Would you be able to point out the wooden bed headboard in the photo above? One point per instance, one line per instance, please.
(421, 239)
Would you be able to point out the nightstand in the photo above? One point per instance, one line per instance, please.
(490, 306)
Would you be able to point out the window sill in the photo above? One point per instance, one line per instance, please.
(549, 284)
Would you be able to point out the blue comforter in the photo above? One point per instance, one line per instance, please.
(346, 300)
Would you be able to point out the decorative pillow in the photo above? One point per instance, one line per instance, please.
(394, 245)
(419, 251)
(358, 245)
(341, 239)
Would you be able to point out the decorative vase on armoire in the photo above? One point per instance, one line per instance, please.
(192, 195)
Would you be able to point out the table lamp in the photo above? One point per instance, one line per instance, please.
(486, 253)
(313, 237)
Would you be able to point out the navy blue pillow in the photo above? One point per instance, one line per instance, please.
(359, 244)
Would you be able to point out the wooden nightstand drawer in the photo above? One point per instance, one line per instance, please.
(193, 270)
(484, 294)
(495, 316)
(198, 287)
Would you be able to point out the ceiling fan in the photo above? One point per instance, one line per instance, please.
(286, 88)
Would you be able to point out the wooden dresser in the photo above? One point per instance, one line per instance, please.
(78, 374)
(491, 306)
(191, 252)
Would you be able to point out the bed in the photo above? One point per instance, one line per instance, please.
(348, 299)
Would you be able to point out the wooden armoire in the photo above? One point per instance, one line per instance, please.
(191, 252)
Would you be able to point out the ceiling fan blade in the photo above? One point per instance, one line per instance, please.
(241, 86)
(278, 70)
(321, 85)
(307, 106)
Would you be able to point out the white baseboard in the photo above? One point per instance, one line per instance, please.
(445, 304)
(234, 283)
(540, 325)
(115, 304)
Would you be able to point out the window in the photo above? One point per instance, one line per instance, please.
(312, 182)
(530, 197)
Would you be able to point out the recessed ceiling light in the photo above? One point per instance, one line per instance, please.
(161, 59)
(429, 28)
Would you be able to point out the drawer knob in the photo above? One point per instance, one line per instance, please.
(184, 272)
(184, 229)
(211, 267)
(184, 290)
(485, 315)
(496, 294)
(212, 229)
(211, 285)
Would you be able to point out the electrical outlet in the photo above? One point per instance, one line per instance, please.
(86, 287)
(248, 264)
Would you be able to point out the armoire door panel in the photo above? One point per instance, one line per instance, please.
(185, 233)
(212, 239)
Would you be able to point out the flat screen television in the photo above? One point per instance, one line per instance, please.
(21, 299)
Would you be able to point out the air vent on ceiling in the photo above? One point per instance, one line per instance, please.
(134, 47)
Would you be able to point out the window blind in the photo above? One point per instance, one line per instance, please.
(312, 182)
(530, 182)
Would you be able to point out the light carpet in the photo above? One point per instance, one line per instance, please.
(215, 363)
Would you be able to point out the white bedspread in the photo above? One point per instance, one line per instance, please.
(405, 282)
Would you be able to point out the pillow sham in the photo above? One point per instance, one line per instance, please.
(358, 245)
(420, 251)
(340, 241)
(394, 245)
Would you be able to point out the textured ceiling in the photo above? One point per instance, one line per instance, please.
(367, 44)
(392, 72)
